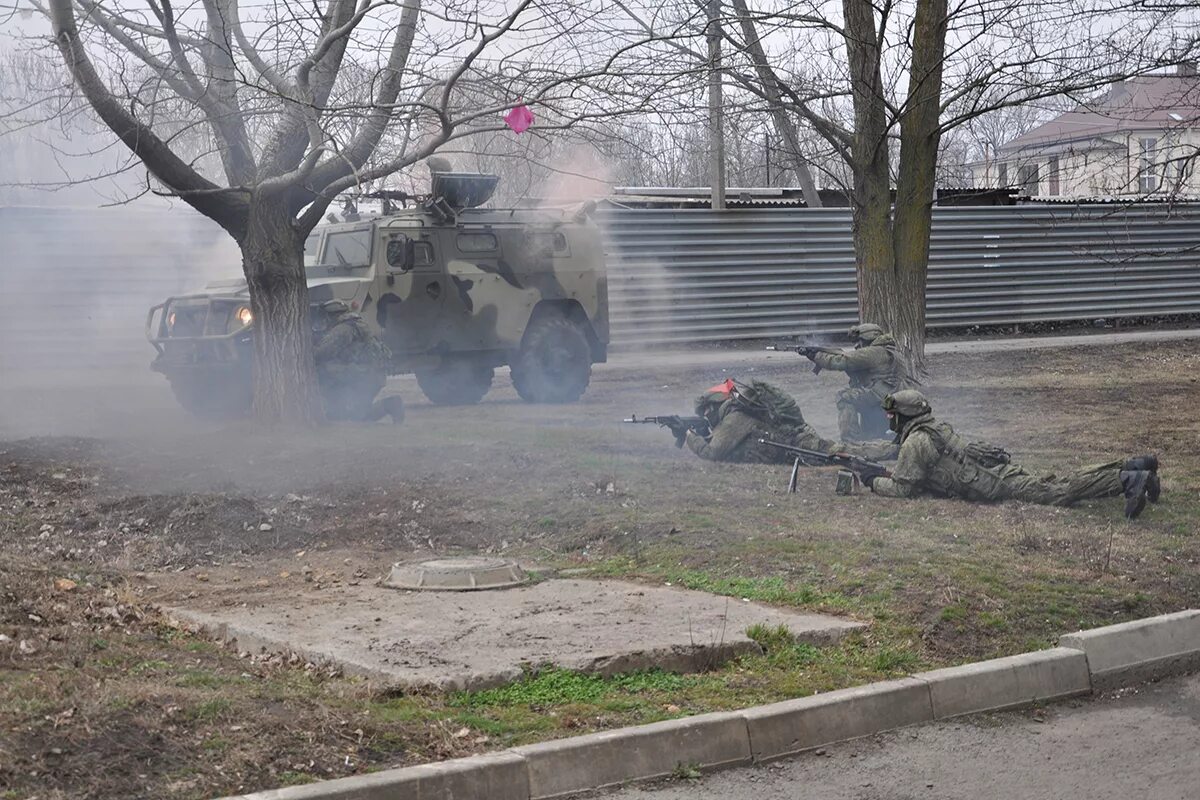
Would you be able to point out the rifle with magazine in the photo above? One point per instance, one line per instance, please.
(677, 424)
(806, 349)
(861, 469)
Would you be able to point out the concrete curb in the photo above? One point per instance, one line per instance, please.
(610, 758)
(1085, 662)
(1138, 651)
(1007, 682)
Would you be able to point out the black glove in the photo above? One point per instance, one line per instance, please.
(809, 352)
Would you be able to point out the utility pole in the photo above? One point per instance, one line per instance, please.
(716, 135)
(767, 153)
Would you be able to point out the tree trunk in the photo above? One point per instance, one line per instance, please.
(871, 196)
(915, 184)
(285, 380)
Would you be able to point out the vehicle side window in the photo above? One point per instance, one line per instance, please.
(477, 242)
(348, 249)
(422, 252)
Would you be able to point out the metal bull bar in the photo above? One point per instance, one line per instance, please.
(156, 320)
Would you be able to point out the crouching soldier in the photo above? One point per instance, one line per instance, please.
(874, 370)
(935, 460)
(352, 367)
(739, 415)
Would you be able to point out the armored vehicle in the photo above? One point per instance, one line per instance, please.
(454, 290)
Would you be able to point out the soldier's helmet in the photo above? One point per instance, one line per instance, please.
(335, 307)
(907, 403)
(713, 397)
(865, 332)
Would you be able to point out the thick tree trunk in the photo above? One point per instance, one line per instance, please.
(915, 185)
(285, 380)
(871, 197)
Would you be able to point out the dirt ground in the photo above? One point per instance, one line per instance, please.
(99, 698)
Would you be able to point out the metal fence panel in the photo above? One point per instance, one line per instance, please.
(685, 275)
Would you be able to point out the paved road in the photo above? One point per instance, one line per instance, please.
(1142, 745)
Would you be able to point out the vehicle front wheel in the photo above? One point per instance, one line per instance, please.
(555, 362)
(211, 398)
(458, 383)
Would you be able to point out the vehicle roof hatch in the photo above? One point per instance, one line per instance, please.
(464, 189)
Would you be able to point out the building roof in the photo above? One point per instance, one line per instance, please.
(1151, 102)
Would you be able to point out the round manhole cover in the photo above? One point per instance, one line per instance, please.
(456, 575)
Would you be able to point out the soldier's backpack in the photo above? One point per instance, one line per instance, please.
(768, 403)
(988, 455)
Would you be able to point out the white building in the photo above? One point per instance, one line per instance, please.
(1141, 138)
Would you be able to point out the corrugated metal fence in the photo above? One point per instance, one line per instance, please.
(699, 275)
(75, 283)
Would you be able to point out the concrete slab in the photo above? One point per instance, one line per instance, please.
(1007, 682)
(610, 758)
(1142, 650)
(479, 639)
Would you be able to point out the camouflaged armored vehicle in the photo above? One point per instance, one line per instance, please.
(454, 290)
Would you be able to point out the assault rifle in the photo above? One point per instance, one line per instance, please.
(678, 425)
(805, 349)
(695, 424)
(862, 468)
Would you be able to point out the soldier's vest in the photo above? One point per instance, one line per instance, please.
(885, 380)
(368, 349)
(970, 470)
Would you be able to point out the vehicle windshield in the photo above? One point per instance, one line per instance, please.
(340, 250)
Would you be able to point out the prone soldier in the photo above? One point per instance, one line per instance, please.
(936, 460)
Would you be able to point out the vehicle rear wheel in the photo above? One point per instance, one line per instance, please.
(555, 362)
(458, 383)
(206, 397)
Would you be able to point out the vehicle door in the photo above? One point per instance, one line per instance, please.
(411, 289)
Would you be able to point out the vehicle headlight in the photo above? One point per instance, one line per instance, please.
(243, 315)
(170, 321)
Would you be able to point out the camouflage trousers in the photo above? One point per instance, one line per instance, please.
(860, 414)
(1101, 480)
(349, 393)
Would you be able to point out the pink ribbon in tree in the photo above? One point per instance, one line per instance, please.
(519, 118)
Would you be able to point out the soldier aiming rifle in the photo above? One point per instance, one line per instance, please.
(677, 424)
(805, 349)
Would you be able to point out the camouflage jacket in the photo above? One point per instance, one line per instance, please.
(935, 460)
(873, 367)
(349, 341)
(736, 434)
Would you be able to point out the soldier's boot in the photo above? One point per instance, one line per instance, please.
(1133, 482)
(1150, 464)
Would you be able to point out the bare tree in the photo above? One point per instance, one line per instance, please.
(298, 102)
(881, 82)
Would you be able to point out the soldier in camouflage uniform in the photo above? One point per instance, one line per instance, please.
(874, 370)
(740, 415)
(352, 368)
(935, 460)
